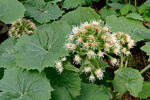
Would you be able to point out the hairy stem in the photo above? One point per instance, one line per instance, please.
(135, 2)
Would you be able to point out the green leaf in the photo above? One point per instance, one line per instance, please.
(145, 93)
(93, 92)
(147, 16)
(80, 15)
(53, 1)
(11, 10)
(147, 3)
(134, 28)
(104, 12)
(135, 16)
(116, 5)
(7, 53)
(146, 48)
(68, 79)
(43, 48)
(125, 9)
(72, 3)
(142, 9)
(60, 93)
(22, 85)
(42, 12)
(128, 79)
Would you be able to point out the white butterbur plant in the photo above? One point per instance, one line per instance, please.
(92, 42)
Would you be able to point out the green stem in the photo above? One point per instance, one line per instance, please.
(121, 62)
(129, 2)
(91, 3)
(146, 68)
(126, 63)
(135, 2)
(107, 3)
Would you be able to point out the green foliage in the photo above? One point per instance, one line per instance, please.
(21, 85)
(135, 16)
(11, 10)
(72, 3)
(80, 15)
(90, 91)
(145, 93)
(68, 81)
(146, 48)
(142, 9)
(41, 11)
(104, 12)
(128, 79)
(125, 9)
(7, 53)
(134, 28)
(45, 47)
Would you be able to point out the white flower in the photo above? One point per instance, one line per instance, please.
(113, 61)
(105, 29)
(127, 53)
(91, 78)
(106, 46)
(71, 46)
(87, 69)
(123, 50)
(101, 54)
(95, 23)
(99, 74)
(91, 54)
(71, 37)
(77, 59)
(63, 59)
(86, 45)
(75, 30)
(85, 25)
(59, 67)
(131, 44)
(80, 40)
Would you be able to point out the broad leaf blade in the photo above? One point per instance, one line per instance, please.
(11, 10)
(21, 85)
(43, 48)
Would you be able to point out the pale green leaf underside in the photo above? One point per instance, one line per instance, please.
(11, 10)
(43, 12)
(7, 53)
(72, 3)
(145, 93)
(21, 85)
(43, 48)
(68, 79)
(146, 48)
(128, 79)
(80, 15)
(93, 92)
(135, 28)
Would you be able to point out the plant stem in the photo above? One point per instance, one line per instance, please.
(129, 2)
(126, 63)
(146, 68)
(121, 62)
(135, 2)
(91, 3)
(107, 2)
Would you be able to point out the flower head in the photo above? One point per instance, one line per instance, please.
(77, 59)
(91, 54)
(92, 78)
(99, 74)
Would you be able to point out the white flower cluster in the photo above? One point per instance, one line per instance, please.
(59, 65)
(92, 41)
(20, 27)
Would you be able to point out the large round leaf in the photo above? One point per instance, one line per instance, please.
(80, 15)
(128, 79)
(21, 85)
(43, 48)
(93, 92)
(11, 10)
(145, 93)
(7, 53)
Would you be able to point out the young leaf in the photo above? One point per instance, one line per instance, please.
(145, 93)
(80, 15)
(68, 79)
(72, 3)
(116, 5)
(43, 48)
(125, 9)
(135, 16)
(42, 12)
(21, 85)
(11, 10)
(142, 9)
(93, 92)
(128, 79)
(135, 28)
(7, 53)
